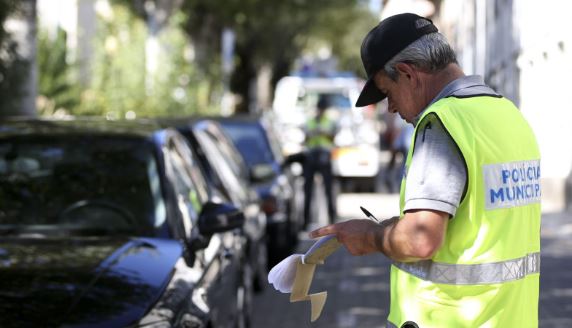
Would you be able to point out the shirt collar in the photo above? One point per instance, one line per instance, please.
(454, 86)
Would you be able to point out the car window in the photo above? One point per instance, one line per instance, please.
(78, 181)
(251, 140)
(226, 147)
(274, 143)
(191, 164)
(190, 198)
(225, 167)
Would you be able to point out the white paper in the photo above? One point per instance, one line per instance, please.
(282, 274)
(295, 273)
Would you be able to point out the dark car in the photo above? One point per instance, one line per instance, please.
(279, 188)
(226, 170)
(111, 224)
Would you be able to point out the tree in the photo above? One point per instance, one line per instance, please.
(156, 14)
(29, 51)
(270, 33)
(118, 85)
(57, 91)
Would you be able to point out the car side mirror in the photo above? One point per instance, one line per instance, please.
(262, 172)
(216, 217)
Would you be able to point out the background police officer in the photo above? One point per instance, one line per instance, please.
(462, 258)
(320, 131)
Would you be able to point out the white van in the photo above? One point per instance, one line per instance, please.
(356, 157)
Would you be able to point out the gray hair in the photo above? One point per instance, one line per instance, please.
(431, 52)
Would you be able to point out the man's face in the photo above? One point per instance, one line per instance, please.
(401, 95)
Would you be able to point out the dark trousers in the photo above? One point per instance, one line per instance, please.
(318, 161)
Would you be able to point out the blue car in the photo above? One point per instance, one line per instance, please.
(226, 170)
(279, 188)
(112, 224)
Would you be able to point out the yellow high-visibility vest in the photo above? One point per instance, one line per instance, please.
(486, 273)
(322, 139)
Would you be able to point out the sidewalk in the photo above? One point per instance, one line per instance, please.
(555, 309)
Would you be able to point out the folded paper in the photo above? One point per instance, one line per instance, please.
(294, 274)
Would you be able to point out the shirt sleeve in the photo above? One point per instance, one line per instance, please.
(437, 173)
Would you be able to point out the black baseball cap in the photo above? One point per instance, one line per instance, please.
(383, 42)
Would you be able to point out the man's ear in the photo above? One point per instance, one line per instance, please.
(409, 72)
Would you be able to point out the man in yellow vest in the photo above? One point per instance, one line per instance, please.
(320, 131)
(466, 247)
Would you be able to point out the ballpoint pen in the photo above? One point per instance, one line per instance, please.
(368, 214)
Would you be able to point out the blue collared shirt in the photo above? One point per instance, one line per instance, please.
(466, 85)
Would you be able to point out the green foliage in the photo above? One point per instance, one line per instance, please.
(118, 80)
(187, 89)
(56, 88)
(344, 36)
(120, 86)
(275, 33)
(278, 30)
(189, 79)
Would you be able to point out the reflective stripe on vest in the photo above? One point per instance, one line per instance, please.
(473, 274)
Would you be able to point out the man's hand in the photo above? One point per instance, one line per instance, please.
(359, 236)
(418, 235)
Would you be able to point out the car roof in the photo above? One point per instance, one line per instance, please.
(78, 125)
(246, 118)
(175, 121)
(187, 124)
(190, 120)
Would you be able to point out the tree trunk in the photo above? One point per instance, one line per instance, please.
(152, 49)
(158, 13)
(243, 80)
(23, 75)
(30, 37)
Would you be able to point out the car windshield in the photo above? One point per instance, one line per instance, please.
(78, 183)
(251, 141)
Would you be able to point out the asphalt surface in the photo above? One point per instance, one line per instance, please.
(358, 287)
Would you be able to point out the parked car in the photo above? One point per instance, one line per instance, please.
(356, 156)
(111, 224)
(225, 169)
(280, 190)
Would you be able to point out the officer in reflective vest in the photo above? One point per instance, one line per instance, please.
(320, 132)
(466, 247)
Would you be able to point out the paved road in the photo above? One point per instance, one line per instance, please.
(358, 287)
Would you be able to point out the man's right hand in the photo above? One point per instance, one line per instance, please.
(418, 235)
(358, 236)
